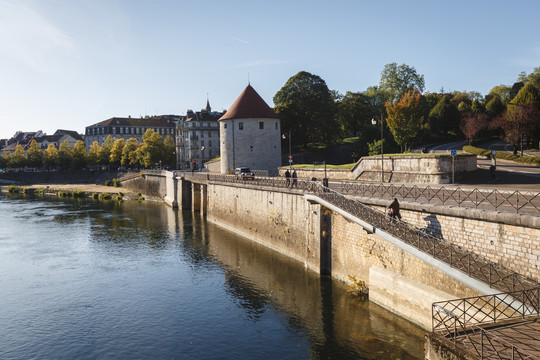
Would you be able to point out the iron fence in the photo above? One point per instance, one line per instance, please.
(520, 202)
(460, 322)
(471, 264)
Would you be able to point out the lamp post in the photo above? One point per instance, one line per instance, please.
(202, 156)
(284, 136)
(374, 122)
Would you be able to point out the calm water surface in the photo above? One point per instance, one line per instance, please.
(84, 280)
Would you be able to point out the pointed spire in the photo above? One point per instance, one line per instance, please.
(208, 108)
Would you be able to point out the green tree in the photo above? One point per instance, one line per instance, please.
(444, 118)
(495, 106)
(130, 152)
(354, 113)
(78, 159)
(151, 151)
(116, 151)
(522, 113)
(306, 107)
(93, 155)
(503, 91)
(50, 156)
(170, 150)
(405, 118)
(531, 79)
(104, 155)
(65, 154)
(34, 154)
(396, 80)
(18, 158)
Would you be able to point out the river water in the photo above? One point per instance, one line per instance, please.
(138, 280)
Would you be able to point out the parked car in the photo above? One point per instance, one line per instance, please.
(244, 173)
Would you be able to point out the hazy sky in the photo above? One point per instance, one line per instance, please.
(71, 63)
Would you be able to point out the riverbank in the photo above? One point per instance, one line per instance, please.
(88, 189)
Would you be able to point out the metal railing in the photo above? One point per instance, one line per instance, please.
(520, 202)
(471, 264)
(460, 322)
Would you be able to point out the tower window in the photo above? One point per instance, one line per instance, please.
(261, 125)
(224, 126)
(276, 125)
(240, 126)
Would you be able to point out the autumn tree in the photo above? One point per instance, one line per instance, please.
(78, 159)
(396, 80)
(472, 124)
(17, 159)
(50, 156)
(34, 154)
(151, 151)
(405, 118)
(116, 152)
(93, 155)
(65, 154)
(104, 154)
(130, 152)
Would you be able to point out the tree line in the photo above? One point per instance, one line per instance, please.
(120, 152)
(317, 116)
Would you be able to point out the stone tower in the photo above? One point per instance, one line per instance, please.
(250, 134)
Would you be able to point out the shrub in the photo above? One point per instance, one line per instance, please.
(121, 194)
(79, 194)
(13, 189)
(107, 183)
(535, 160)
(105, 196)
(358, 288)
(116, 182)
(95, 196)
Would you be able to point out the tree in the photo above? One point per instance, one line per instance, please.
(170, 150)
(104, 154)
(405, 117)
(472, 124)
(502, 91)
(116, 151)
(353, 113)
(17, 158)
(151, 151)
(444, 118)
(130, 152)
(495, 106)
(65, 154)
(50, 156)
(93, 155)
(78, 160)
(34, 155)
(397, 80)
(532, 79)
(306, 107)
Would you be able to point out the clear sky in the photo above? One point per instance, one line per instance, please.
(67, 64)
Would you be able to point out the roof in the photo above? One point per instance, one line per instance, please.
(249, 105)
(71, 133)
(154, 121)
(202, 115)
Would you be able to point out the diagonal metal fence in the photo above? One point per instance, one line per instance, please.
(471, 264)
(520, 202)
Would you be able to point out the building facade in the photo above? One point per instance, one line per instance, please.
(250, 135)
(197, 138)
(127, 128)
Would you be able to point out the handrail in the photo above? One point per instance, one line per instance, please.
(520, 202)
(460, 321)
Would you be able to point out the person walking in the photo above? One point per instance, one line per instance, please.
(394, 209)
(288, 177)
(294, 177)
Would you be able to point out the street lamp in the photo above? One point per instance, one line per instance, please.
(374, 122)
(284, 136)
(202, 156)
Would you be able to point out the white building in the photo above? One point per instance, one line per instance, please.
(250, 134)
(197, 138)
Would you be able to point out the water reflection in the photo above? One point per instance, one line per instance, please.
(179, 286)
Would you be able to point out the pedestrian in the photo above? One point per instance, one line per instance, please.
(394, 209)
(294, 177)
(288, 177)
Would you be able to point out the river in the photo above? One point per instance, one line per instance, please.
(139, 280)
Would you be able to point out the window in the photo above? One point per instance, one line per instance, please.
(209, 134)
(261, 125)
(276, 125)
(240, 125)
(224, 126)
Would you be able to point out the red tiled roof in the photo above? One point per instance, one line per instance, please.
(249, 105)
